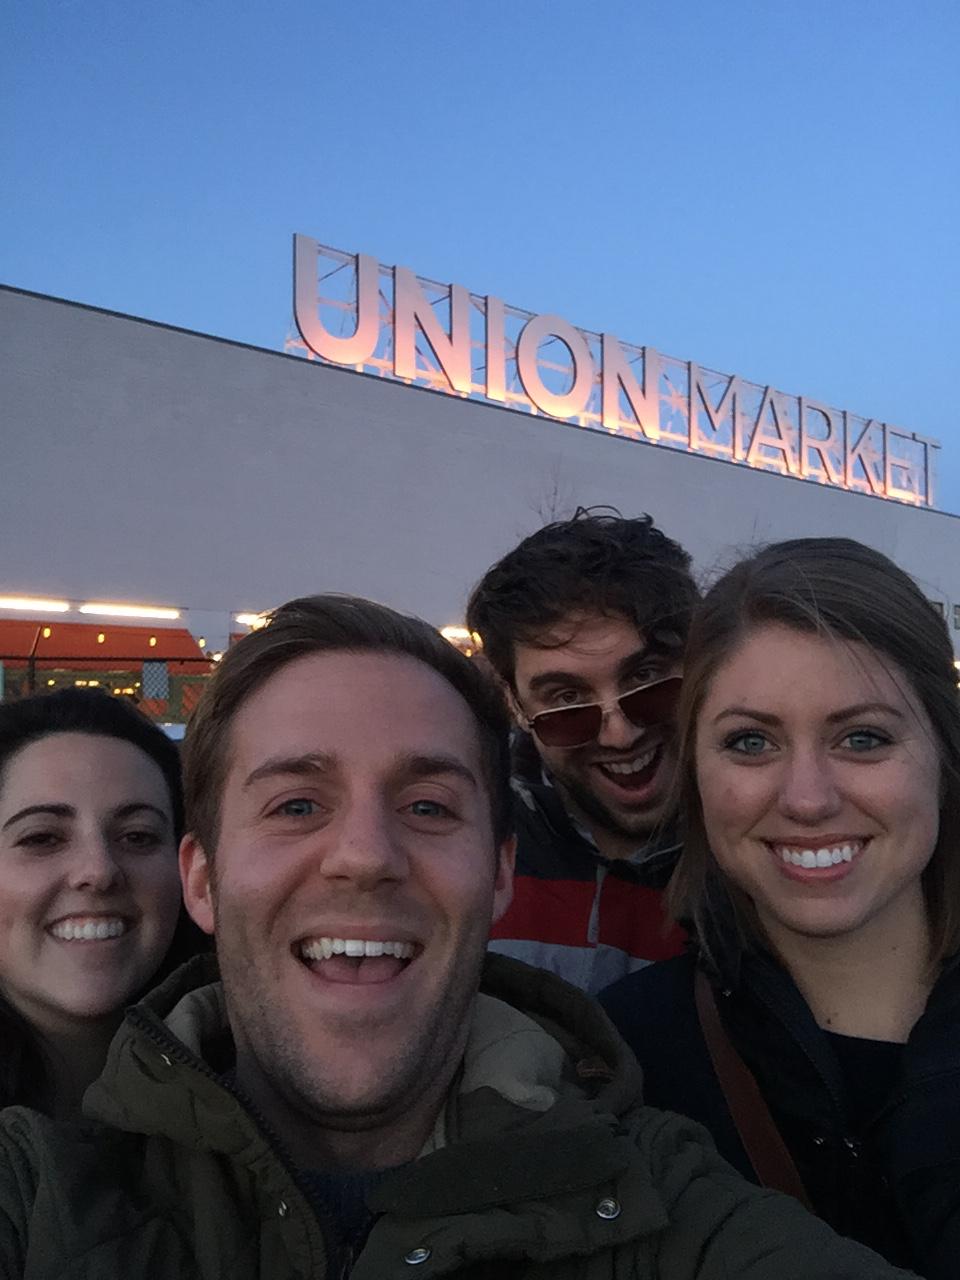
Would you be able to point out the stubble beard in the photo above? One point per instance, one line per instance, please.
(587, 806)
(284, 1074)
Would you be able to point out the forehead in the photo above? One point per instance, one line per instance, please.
(782, 670)
(82, 766)
(592, 645)
(364, 708)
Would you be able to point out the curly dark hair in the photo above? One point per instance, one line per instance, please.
(597, 562)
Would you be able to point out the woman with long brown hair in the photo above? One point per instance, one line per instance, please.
(815, 1025)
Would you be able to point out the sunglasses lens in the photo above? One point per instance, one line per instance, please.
(568, 726)
(656, 704)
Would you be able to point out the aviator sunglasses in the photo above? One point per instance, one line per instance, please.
(580, 723)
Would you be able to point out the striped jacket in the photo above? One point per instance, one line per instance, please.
(588, 919)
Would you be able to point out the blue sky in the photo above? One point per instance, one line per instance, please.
(769, 188)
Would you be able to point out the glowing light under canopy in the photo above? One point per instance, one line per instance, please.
(130, 611)
(33, 604)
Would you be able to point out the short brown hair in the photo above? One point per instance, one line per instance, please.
(327, 624)
(841, 588)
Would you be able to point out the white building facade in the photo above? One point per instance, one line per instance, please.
(146, 463)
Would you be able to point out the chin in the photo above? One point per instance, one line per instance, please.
(356, 1104)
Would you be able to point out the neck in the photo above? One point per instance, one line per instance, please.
(841, 977)
(614, 845)
(74, 1058)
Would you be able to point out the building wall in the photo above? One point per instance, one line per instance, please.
(146, 463)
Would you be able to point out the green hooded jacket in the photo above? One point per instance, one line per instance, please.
(544, 1164)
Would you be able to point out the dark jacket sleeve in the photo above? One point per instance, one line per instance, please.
(918, 1139)
(17, 1191)
(727, 1229)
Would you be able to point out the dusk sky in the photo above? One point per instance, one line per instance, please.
(771, 189)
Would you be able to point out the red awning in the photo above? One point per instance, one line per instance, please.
(70, 644)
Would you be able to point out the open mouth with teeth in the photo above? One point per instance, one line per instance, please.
(635, 772)
(356, 960)
(89, 928)
(818, 861)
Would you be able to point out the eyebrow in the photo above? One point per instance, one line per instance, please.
(68, 811)
(414, 765)
(835, 717)
(430, 766)
(652, 653)
(545, 678)
(51, 811)
(139, 806)
(298, 766)
(624, 668)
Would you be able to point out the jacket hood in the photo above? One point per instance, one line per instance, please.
(535, 1041)
(538, 1114)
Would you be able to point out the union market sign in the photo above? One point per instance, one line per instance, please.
(350, 310)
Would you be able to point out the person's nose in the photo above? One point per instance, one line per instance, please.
(94, 865)
(808, 792)
(616, 730)
(366, 846)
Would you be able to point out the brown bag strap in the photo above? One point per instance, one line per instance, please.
(760, 1136)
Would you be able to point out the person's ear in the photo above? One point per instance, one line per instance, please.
(196, 878)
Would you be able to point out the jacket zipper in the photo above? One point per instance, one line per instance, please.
(183, 1055)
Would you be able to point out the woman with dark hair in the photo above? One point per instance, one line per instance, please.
(814, 1027)
(91, 813)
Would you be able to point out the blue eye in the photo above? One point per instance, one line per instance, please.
(748, 742)
(298, 808)
(429, 809)
(865, 740)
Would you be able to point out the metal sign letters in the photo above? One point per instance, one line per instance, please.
(349, 310)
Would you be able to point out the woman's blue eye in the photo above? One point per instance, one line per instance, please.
(865, 740)
(747, 743)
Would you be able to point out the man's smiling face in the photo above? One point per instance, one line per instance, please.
(352, 888)
(619, 783)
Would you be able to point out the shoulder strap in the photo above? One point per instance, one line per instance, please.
(768, 1153)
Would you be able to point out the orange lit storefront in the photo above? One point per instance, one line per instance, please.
(162, 670)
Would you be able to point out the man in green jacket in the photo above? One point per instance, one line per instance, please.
(349, 1095)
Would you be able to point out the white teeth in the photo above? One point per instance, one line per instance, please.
(83, 929)
(324, 948)
(631, 766)
(826, 857)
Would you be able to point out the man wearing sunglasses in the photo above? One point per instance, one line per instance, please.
(584, 623)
